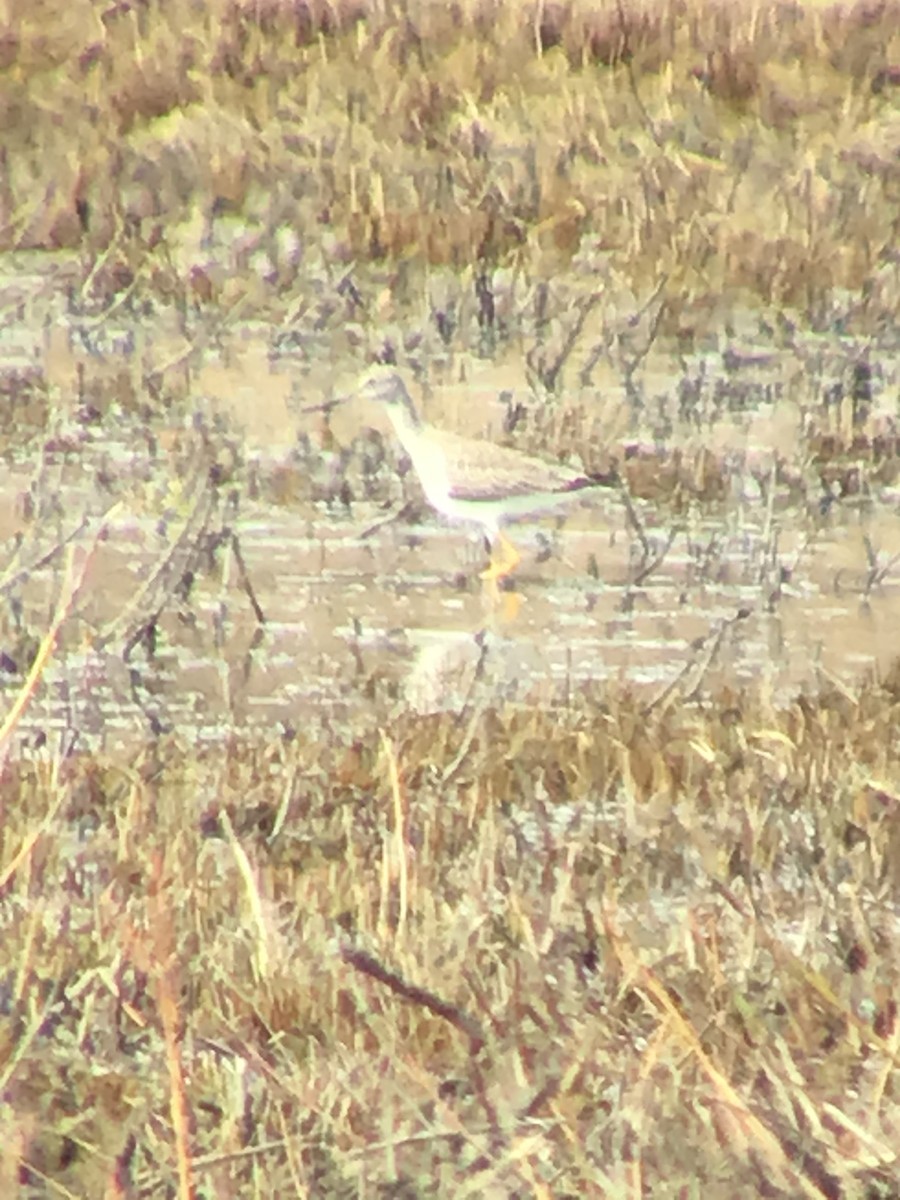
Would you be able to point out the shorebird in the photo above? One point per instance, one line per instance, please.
(476, 481)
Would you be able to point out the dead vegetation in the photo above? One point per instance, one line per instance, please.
(611, 952)
(619, 945)
(231, 152)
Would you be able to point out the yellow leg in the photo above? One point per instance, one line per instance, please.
(501, 567)
(504, 605)
(504, 564)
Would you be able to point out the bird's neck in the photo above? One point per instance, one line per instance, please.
(404, 420)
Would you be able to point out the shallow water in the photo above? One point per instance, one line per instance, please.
(363, 627)
(366, 616)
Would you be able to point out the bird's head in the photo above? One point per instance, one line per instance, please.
(384, 385)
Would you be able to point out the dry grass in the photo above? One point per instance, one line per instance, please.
(234, 151)
(602, 952)
(596, 949)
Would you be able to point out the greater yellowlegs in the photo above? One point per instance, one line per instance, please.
(477, 481)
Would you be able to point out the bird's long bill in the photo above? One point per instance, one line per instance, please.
(327, 406)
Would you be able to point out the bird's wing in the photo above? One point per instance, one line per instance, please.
(482, 470)
(502, 486)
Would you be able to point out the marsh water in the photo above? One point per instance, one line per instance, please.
(372, 603)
